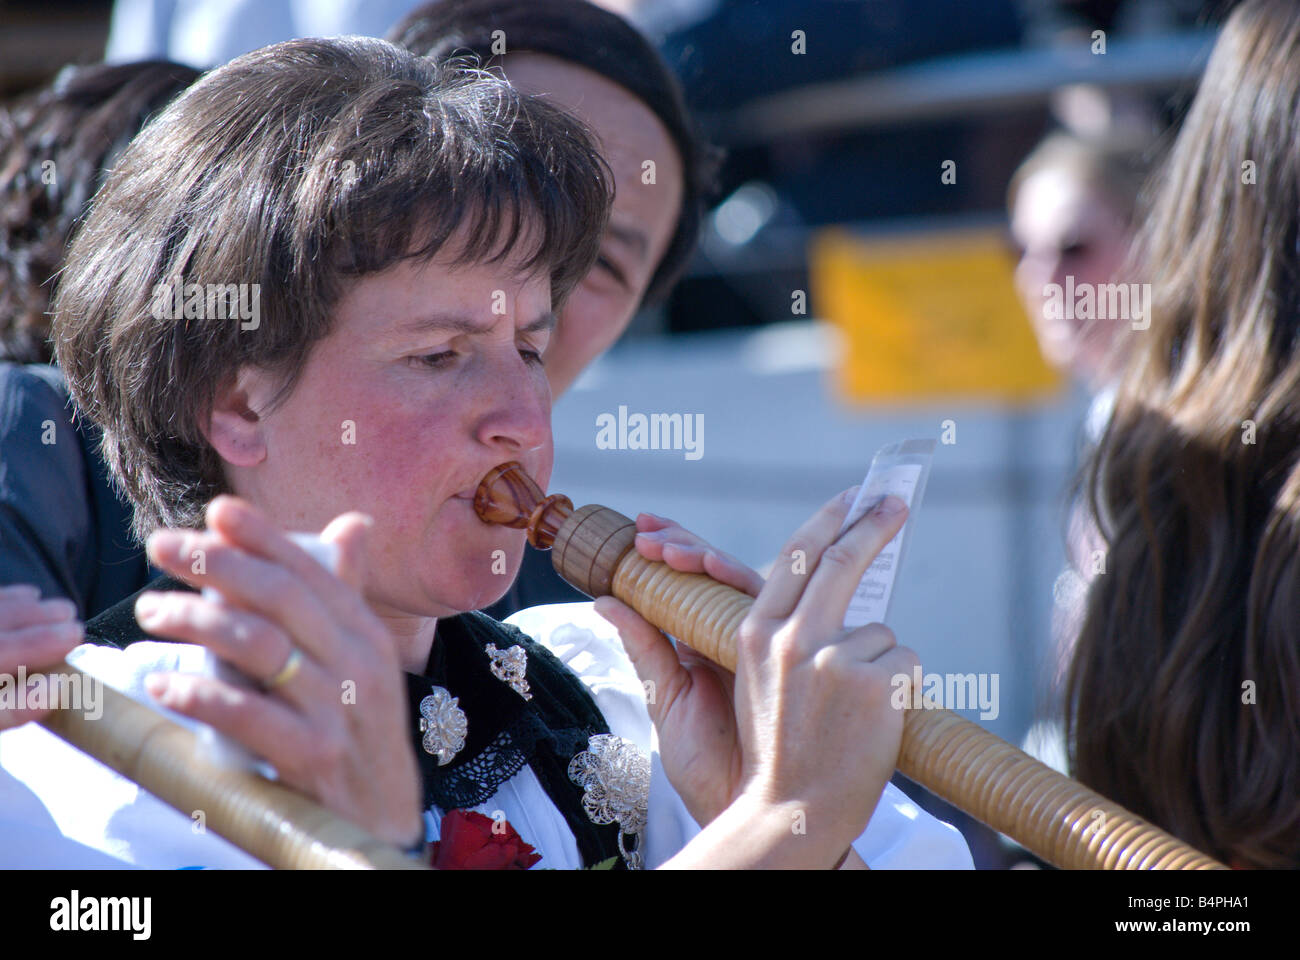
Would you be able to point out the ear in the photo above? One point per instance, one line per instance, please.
(233, 426)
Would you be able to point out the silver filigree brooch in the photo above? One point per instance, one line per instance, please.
(510, 665)
(615, 777)
(443, 724)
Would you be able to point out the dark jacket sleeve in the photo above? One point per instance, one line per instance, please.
(62, 527)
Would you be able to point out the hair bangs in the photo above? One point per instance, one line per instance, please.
(510, 178)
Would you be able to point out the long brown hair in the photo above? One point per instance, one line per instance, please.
(1183, 697)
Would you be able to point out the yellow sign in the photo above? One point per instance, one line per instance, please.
(925, 317)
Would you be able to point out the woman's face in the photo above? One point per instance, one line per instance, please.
(641, 223)
(1064, 229)
(421, 387)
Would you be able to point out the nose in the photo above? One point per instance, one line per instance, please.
(518, 418)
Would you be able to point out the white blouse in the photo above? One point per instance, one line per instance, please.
(60, 808)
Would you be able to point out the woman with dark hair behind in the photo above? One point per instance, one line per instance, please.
(593, 63)
(1183, 697)
(586, 37)
(63, 530)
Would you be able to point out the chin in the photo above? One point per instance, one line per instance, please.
(454, 571)
(436, 602)
(476, 599)
(474, 590)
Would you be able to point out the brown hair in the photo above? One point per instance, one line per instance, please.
(1183, 697)
(603, 42)
(55, 147)
(297, 167)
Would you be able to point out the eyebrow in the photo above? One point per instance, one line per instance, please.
(465, 323)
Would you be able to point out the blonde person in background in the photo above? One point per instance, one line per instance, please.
(1073, 206)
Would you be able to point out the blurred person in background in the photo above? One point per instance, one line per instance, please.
(63, 530)
(1072, 206)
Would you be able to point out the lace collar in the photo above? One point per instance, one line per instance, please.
(502, 729)
(505, 732)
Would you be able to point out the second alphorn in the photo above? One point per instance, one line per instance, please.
(278, 826)
(1052, 816)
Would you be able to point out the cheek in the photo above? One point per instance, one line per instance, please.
(398, 455)
(400, 473)
(1108, 260)
(592, 321)
(374, 451)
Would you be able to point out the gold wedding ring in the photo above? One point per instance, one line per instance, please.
(288, 671)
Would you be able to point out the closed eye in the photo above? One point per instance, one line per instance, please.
(610, 267)
(445, 359)
(436, 361)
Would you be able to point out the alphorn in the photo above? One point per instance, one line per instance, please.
(1052, 816)
(278, 826)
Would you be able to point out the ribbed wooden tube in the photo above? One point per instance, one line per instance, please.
(278, 826)
(1054, 817)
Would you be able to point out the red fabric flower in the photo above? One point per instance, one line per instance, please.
(469, 842)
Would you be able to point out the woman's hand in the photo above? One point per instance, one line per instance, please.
(659, 538)
(693, 704)
(336, 729)
(807, 730)
(36, 635)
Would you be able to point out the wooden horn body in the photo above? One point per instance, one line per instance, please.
(1052, 816)
(278, 826)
